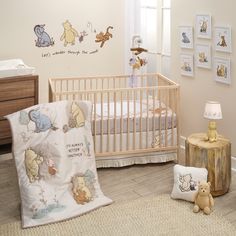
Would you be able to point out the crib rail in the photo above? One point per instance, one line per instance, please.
(129, 117)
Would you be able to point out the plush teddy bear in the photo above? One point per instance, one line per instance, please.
(203, 199)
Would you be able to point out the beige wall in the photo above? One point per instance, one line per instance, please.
(197, 90)
(18, 18)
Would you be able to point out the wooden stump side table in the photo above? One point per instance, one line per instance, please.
(215, 157)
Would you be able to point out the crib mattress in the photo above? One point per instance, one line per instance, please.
(134, 119)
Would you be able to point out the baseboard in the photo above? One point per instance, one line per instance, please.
(182, 146)
(233, 163)
(182, 142)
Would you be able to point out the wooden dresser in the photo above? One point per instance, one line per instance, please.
(16, 93)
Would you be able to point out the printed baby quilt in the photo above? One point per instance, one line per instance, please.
(54, 157)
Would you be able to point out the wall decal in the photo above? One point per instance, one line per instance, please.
(103, 37)
(84, 42)
(95, 51)
(43, 39)
(82, 35)
(69, 34)
(90, 26)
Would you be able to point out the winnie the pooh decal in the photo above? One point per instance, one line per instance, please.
(69, 34)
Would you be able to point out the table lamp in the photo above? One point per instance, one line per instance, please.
(212, 112)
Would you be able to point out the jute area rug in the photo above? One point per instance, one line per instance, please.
(158, 215)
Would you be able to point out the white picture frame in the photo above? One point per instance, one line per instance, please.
(223, 39)
(203, 56)
(186, 36)
(222, 70)
(203, 26)
(186, 65)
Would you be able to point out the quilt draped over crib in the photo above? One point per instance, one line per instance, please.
(54, 156)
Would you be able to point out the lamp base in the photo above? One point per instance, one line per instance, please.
(212, 134)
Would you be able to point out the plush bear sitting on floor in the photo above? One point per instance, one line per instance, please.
(203, 199)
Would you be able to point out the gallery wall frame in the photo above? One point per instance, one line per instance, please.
(222, 39)
(186, 65)
(186, 36)
(203, 56)
(222, 69)
(203, 26)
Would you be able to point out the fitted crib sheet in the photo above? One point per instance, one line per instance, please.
(150, 116)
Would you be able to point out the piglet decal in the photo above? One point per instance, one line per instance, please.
(42, 122)
(43, 39)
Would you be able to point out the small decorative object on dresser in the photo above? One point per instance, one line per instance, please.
(215, 156)
(16, 93)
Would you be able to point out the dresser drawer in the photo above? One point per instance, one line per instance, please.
(16, 93)
(5, 130)
(17, 89)
(8, 107)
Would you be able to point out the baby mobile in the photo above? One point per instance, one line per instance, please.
(136, 61)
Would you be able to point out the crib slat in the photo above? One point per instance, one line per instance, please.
(147, 120)
(108, 121)
(95, 122)
(115, 102)
(101, 143)
(55, 86)
(128, 119)
(166, 118)
(160, 118)
(177, 110)
(134, 122)
(73, 87)
(141, 119)
(153, 114)
(172, 106)
(67, 88)
(121, 121)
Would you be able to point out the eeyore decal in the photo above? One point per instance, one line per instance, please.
(43, 39)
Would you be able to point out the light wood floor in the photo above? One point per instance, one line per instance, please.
(119, 184)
